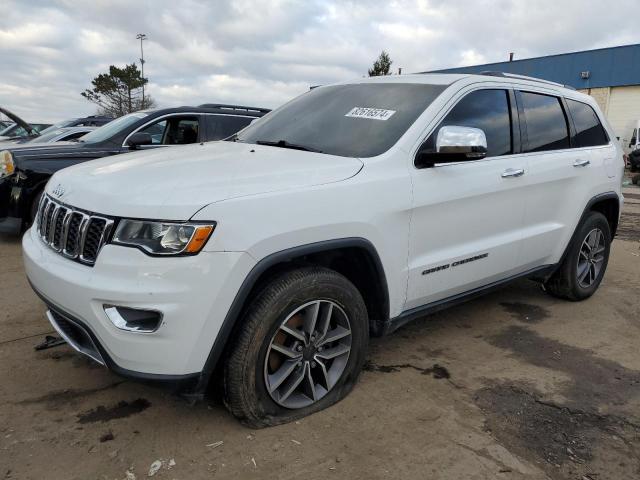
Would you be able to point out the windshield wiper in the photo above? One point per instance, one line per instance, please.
(285, 144)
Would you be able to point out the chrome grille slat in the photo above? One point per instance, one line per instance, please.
(84, 226)
(62, 241)
(51, 228)
(44, 203)
(47, 221)
(73, 233)
(72, 236)
(58, 228)
(92, 239)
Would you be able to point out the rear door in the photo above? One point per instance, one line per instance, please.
(562, 170)
(467, 216)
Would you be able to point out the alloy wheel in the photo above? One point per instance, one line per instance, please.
(308, 354)
(591, 258)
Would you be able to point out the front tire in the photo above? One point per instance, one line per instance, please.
(584, 265)
(301, 348)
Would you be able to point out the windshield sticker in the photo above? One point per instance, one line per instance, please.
(371, 113)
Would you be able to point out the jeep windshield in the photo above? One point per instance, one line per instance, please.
(112, 128)
(354, 120)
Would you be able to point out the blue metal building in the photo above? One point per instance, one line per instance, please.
(604, 67)
(610, 75)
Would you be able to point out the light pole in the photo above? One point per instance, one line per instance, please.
(142, 37)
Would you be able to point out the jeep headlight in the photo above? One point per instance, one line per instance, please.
(7, 167)
(162, 238)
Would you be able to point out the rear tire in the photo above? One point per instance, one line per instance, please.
(585, 263)
(279, 368)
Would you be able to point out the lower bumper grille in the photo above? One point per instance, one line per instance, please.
(75, 335)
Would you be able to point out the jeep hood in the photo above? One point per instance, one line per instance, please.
(173, 183)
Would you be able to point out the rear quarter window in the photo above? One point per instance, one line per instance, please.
(223, 126)
(589, 130)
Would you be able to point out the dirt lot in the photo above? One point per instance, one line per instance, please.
(516, 385)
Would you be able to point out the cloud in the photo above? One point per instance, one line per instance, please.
(265, 52)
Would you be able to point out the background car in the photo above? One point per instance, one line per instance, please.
(25, 171)
(64, 134)
(19, 128)
(90, 121)
(16, 131)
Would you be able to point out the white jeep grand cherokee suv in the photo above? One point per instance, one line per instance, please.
(356, 207)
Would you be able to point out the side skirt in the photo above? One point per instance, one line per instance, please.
(538, 273)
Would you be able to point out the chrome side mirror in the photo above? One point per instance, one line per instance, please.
(467, 141)
(454, 144)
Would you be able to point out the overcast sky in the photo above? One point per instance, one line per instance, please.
(264, 52)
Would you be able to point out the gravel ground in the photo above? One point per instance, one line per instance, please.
(515, 385)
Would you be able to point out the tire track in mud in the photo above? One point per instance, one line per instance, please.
(572, 439)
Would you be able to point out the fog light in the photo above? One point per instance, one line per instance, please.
(134, 319)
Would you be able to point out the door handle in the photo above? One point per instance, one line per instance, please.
(581, 163)
(513, 172)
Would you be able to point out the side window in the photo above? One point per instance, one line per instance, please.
(72, 136)
(173, 131)
(589, 130)
(38, 128)
(156, 130)
(546, 122)
(183, 131)
(223, 126)
(19, 132)
(484, 109)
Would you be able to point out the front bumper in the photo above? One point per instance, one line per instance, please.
(193, 294)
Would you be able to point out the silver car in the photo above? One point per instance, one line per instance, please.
(63, 134)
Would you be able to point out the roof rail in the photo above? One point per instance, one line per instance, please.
(234, 107)
(489, 73)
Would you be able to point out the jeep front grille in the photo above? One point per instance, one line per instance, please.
(73, 233)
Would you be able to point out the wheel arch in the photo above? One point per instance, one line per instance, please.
(609, 205)
(606, 203)
(356, 258)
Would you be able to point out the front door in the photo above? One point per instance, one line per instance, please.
(176, 129)
(467, 217)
